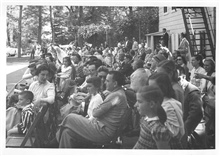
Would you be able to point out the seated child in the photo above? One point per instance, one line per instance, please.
(25, 103)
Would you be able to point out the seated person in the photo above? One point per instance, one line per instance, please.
(154, 134)
(107, 118)
(93, 87)
(30, 74)
(27, 115)
(43, 90)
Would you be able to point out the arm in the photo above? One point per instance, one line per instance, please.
(50, 95)
(103, 108)
(27, 74)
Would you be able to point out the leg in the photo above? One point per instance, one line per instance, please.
(70, 139)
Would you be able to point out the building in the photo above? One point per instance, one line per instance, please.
(199, 24)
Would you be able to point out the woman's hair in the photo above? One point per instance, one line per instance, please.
(183, 59)
(154, 93)
(42, 68)
(212, 63)
(170, 68)
(163, 81)
(68, 60)
(96, 81)
(199, 58)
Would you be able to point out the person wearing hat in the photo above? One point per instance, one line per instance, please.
(156, 60)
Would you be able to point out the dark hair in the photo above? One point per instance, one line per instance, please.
(163, 81)
(164, 29)
(183, 34)
(68, 60)
(42, 68)
(103, 68)
(183, 59)
(212, 63)
(154, 93)
(118, 77)
(77, 55)
(96, 81)
(27, 95)
(170, 67)
(199, 58)
(50, 58)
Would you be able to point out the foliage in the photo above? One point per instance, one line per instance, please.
(85, 23)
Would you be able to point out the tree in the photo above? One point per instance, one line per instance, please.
(39, 25)
(19, 33)
(51, 24)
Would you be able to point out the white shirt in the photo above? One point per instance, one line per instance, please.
(197, 82)
(94, 102)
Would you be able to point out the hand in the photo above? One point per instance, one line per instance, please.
(199, 76)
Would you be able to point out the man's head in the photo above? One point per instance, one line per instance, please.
(25, 98)
(42, 73)
(164, 30)
(114, 80)
(102, 73)
(32, 67)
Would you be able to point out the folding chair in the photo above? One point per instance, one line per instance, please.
(30, 139)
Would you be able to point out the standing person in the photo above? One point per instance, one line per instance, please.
(33, 49)
(197, 64)
(184, 50)
(192, 108)
(154, 134)
(169, 67)
(165, 38)
(172, 107)
(135, 46)
(128, 45)
(76, 129)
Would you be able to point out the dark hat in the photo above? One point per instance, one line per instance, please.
(159, 57)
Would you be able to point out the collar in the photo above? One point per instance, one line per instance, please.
(151, 119)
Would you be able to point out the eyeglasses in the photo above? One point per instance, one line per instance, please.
(179, 59)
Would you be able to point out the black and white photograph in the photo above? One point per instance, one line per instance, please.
(114, 77)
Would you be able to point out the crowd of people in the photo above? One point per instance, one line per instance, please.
(86, 86)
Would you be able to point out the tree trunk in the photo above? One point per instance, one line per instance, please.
(51, 23)
(40, 25)
(80, 20)
(130, 12)
(19, 31)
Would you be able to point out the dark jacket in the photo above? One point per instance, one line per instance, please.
(126, 69)
(192, 108)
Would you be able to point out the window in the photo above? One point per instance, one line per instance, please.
(164, 9)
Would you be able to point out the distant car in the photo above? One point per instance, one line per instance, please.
(12, 51)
